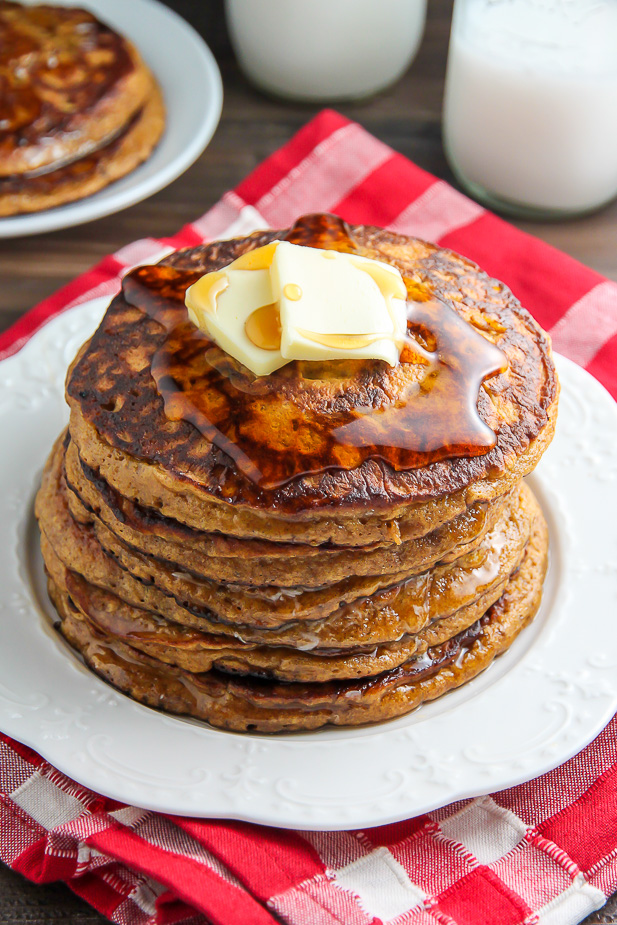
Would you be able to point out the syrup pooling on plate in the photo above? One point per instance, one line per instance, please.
(300, 419)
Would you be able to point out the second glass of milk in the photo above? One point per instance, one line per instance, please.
(530, 109)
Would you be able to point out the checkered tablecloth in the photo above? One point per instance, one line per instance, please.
(544, 852)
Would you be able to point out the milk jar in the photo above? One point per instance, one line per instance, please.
(325, 50)
(530, 109)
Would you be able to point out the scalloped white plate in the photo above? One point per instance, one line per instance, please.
(537, 705)
(191, 83)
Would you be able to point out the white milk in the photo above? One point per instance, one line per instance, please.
(530, 111)
(324, 50)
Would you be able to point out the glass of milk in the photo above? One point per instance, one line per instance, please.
(530, 109)
(325, 50)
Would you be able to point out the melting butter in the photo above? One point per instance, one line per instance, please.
(258, 259)
(285, 301)
(204, 294)
(341, 341)
(350, 306)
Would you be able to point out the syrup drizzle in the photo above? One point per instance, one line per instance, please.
(273, 435)
(319, 229)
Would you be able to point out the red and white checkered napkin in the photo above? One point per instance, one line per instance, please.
(544, 852)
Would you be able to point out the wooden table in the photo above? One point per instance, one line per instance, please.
(407, 117)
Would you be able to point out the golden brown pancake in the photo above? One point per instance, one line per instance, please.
(120, 424)
(90, 173)
(248, 703)
(290, 566)
(68, 85)
(467, 586)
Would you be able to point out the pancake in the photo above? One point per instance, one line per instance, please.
(123, 474)
(473, 581)
(248, 703)
(308, 566)
(81, 178)
(121, 428)
(196, 651)
(68, 83)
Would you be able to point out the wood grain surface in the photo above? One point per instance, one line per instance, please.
(407, 117)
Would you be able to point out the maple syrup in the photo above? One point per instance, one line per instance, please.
(292, 292)
(320, 229)
(302, 418)
(200, 689)
(342, 341)
(263, 327)
(207, 289)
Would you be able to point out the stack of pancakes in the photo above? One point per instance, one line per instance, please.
(78, 106)
(342, 595)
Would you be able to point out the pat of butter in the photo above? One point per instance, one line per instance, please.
(286, 302)
(336, 306)
(223, 311)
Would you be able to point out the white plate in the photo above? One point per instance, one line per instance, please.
(541, 702)
(191, 84)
